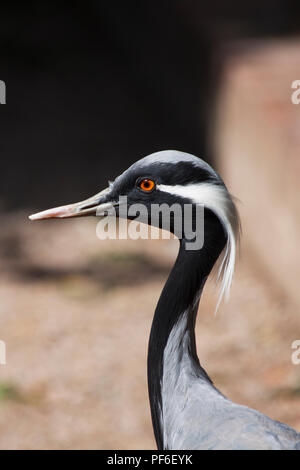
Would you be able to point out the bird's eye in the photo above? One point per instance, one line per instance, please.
(146, 185)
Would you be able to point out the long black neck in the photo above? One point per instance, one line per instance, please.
(180, 296)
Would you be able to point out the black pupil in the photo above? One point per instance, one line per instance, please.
(146, 184)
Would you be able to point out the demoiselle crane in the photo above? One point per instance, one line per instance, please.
(188, 411)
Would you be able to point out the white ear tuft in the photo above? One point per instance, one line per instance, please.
(216, 197)
(231, 223)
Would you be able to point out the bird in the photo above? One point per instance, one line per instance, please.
(188, 411)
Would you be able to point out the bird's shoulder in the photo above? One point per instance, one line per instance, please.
(223, 424)
(246, 428)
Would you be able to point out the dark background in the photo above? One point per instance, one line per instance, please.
(93, 86)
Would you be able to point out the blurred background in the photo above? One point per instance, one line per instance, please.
(91, 88)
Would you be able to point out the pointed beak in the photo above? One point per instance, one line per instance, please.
(95, 205)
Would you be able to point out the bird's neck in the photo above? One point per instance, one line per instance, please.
(172, 344)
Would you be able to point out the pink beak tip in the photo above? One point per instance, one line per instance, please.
(50, 213)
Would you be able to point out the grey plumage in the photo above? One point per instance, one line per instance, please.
(197, 416)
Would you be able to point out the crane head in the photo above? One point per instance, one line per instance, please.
(165, 178)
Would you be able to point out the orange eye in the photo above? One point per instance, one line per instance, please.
(147, 185)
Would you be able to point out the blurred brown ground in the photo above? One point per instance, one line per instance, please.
(76, 312)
